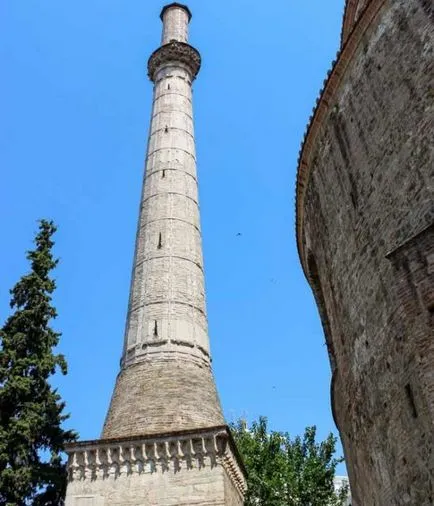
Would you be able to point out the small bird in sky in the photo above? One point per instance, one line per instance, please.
(239, 234)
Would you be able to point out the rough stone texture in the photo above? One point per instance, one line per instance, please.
(232, 495)
(352, 12)
(167, 302)
(175, 24)
(166, 383)
(413, 262)
(365, 206)
(180, 469)
(360, 7)
(160, 395)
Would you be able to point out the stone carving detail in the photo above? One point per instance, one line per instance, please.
(178, 52)
(112, 459)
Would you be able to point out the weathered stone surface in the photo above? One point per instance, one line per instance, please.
(175, 51)
(352, 12)
(160, 395)
(365, 208)
(166, 383)
(176, 18)
(167, 300)
(179, 469)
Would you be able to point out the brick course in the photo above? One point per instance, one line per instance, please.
(165, 385)
(365, 208)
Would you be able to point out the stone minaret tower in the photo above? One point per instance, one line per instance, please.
(164, 440)
(166, 381)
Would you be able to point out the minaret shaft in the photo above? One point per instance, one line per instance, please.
(166, 372)
(175, 24)
(167, 300)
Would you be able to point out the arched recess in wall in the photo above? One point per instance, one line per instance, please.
(315, 283)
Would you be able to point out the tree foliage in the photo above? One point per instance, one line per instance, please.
(31, 410)
(287, 472)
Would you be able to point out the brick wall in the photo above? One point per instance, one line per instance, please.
(370, 191)
(161, 395)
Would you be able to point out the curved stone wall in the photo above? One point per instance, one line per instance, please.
(365, 213)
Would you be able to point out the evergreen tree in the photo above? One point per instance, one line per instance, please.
(31, 411)
(287, 472)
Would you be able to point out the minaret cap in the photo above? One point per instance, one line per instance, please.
(175, 4)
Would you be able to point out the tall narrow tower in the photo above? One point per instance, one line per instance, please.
(164, 441)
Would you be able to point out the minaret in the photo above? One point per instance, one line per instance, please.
(165, 414)
(166, 372)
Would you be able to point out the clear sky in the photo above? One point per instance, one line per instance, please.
(75, 104)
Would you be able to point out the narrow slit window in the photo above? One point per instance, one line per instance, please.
(155, 328)
(410, 397)
(160, 241)
(163, 174)
(166, 129)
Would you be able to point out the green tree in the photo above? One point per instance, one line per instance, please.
(31, 411)
(287, 472)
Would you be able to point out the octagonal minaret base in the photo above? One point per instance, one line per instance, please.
(164, 441)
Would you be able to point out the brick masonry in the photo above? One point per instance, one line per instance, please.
(165, 385)
(365, 209)
(166, 381)
(158, 395)
(352, 13)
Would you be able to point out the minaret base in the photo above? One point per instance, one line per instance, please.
(199, 468)
(160, 395)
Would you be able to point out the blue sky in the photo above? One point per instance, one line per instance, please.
(75, 104)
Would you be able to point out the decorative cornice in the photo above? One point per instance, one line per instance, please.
(349, 17)
(320, 113)
(175, 51)
(350, 14)
(169, 349)
(173, 451)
